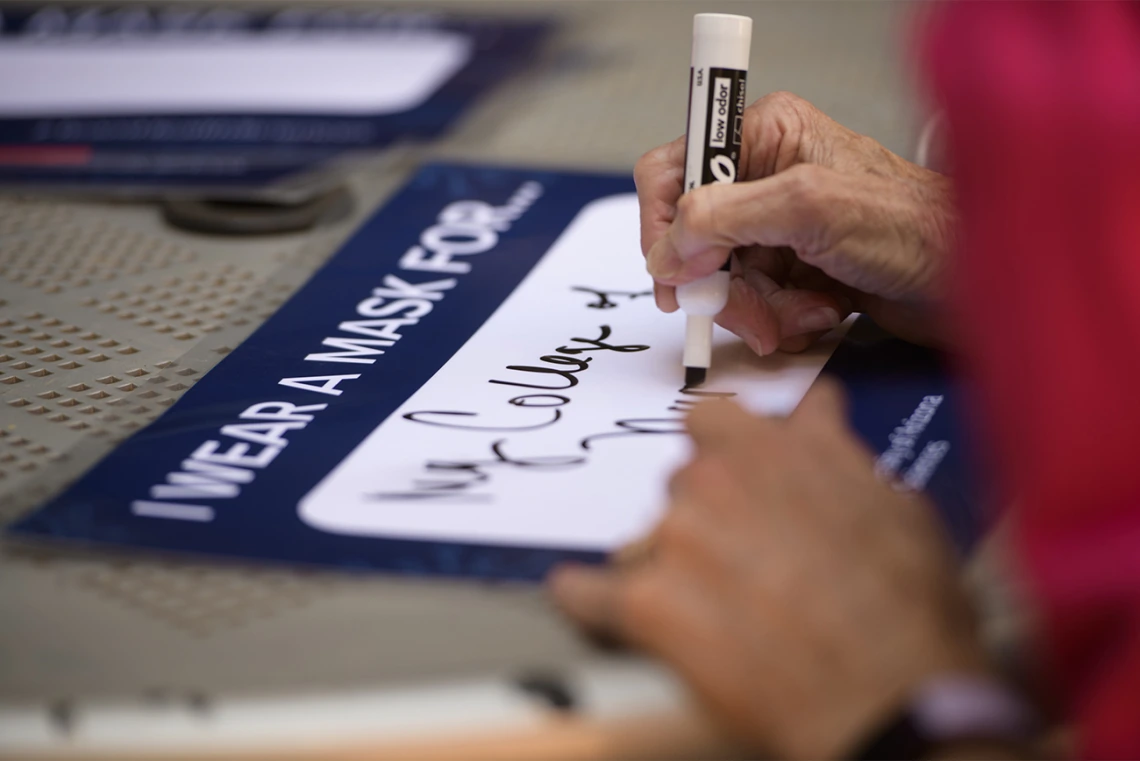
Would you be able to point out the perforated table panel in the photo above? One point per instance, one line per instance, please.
(108, 316)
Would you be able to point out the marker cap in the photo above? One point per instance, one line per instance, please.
(722, 40)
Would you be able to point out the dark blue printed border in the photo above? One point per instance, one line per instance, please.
(903, 400)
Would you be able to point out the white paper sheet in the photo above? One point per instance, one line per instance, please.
(575, 498)
(370, 72)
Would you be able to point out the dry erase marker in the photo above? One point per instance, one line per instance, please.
(717, 78)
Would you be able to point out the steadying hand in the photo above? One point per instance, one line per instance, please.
(802, 598)
(824, 221)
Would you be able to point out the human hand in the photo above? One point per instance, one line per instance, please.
(801, 598)
(824, 221)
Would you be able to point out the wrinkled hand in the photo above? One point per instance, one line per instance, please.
(824, 221)
(799, 596)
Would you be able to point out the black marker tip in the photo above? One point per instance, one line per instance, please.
(695, 376)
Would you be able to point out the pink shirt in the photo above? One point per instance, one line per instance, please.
(1043, 106)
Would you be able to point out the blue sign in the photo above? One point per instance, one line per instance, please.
(160, 95)
(225, 470)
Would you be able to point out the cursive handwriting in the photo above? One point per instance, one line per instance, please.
(605, 298)
(564, 364)
(461, 477)
(566, 356)
(657, 426)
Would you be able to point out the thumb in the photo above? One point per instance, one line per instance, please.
(787, 209)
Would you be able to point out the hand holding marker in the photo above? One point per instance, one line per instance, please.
(717, 79)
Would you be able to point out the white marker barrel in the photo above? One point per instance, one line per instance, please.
(717, 83)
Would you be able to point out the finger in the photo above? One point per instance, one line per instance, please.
(707, 493)
(801, 343)
(911, 321)
(665, 297)
(824, 416)
(804, 275)
(797, 208)
(708, 510)
(634, 607)
(696, 243)
(776, 263)
(824, 405)
(722, 426)
(751, 317)
(774, 322)
(658, 176)
(797, 311)
(690, 539)
(778, 267)
(775, 134)
(589, 595)
(791, 273)
(637, 552)
(790, 311)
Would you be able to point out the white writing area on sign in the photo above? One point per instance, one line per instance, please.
(559, 421)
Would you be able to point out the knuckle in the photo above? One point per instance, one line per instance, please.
(805, 182)
(813, 204)
(695, 490)
(650, 164)
(695, 213)
(683, 535)
(786, 105)
(784, 100)
(687, 208)
(643, 168)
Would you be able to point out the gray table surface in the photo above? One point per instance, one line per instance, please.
(107, 316)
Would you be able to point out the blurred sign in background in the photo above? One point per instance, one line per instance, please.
(230, 101)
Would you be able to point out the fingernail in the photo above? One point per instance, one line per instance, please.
(815, 320)
(753, 342)
(662, 261)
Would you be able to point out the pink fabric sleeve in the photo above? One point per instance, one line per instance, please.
(1043, 107)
